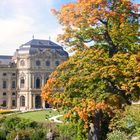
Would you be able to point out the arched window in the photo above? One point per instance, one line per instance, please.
(4, 104)
(37, 101)
(38, 83)
(22, 82)
(13, 102)
(22, 63)
(22, 101)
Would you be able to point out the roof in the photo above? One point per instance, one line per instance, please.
(38, 43)
(5, 57)
(33, 45)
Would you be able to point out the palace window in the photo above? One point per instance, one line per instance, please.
(4, 93)
(4, 104)
(4, 74)
(4, 84)
(13, 94)
(13, 74)
(13, 84)
(57, 63)
(13, 102)
(22, 101)
(22, 83)
(38, 63)
(38, 83)
(47, 63)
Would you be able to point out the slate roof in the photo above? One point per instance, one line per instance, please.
(42, 44)
(5, 57)
(38, 43)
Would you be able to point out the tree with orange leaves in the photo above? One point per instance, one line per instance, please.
(103, 76)
(91, 81)
(112, 23)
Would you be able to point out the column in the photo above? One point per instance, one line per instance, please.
(30, 100)
(29, 80)
(33, 105)
(18, 102)
(43, 104)
(9, 100)
(33, 83)
(43, 79)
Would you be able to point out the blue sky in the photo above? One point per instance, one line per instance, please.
(21, 19)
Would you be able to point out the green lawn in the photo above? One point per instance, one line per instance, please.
(39, 116)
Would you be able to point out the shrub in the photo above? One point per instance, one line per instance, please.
(2, 134)
(10, 123)
(127, 121)
(68, 131)
(117, 135)
(38, 134)
(22, 133)
(15, 123)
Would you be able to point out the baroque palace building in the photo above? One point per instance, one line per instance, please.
(23, 74)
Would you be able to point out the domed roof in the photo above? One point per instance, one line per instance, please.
(34, 45)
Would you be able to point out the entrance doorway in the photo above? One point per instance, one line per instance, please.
(22, 101)
(38, 101)
(47, 105)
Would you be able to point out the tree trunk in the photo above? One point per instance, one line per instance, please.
(113, 48)
(94, 132)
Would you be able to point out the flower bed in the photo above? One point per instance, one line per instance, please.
(5, 111)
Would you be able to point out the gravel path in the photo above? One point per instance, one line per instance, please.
(55, 119)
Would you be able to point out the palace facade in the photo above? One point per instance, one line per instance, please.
(23, 74)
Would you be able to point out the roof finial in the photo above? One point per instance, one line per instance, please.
(33, 36)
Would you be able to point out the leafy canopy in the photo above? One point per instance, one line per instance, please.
(104, 74)
(92, 80)
(113, 23)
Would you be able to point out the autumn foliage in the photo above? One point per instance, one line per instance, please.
(92, 80)
(104, 73)
(113, 23)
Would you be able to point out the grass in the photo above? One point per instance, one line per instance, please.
(39, 116)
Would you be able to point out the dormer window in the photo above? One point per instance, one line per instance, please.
(22, 63)
(47, 63)
(38, 63)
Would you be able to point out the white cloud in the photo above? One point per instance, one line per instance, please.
(10, 27)
(13, 31)
(20, 19)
